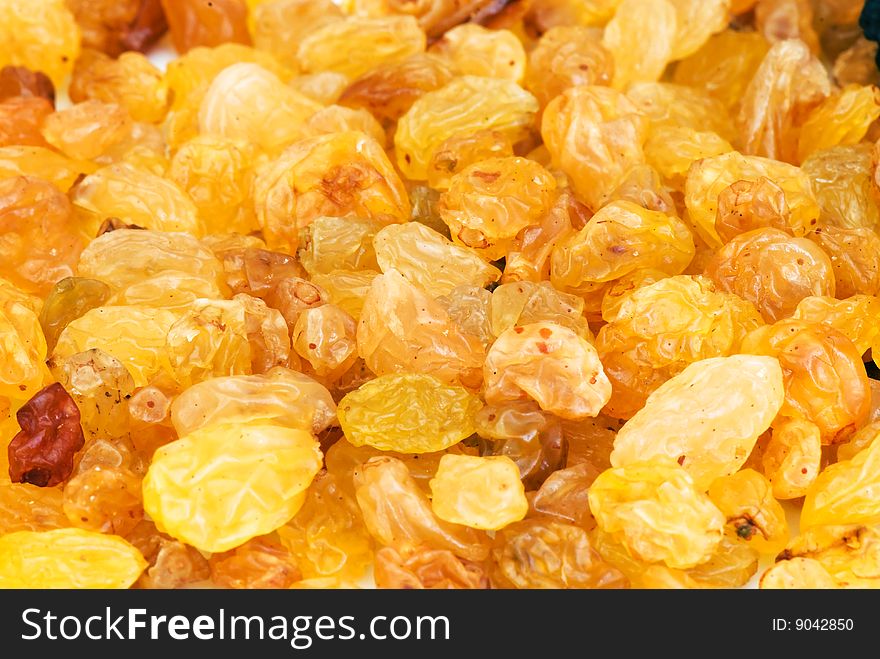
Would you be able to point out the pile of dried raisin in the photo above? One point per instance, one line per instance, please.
(455, 294)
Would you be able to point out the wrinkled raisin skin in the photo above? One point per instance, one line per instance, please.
(42, 453)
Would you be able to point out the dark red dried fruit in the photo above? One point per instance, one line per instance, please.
(147, 27)
(21, 81)
(42, 453)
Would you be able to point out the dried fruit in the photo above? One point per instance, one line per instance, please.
(475, 50)
(642, 48)
(550, 364)
(261, 562)
(401, 329)
(68, 558)
(655, 510)
(338, 174)
(398, 514)
(490, 202)
(41, 241)
(100, 386)
(479, 492)
(427, 414)
(567, 56)
(114, 26)
(772, 270)
(42, 453)
(594, 135)
(844, 493)
(662, 327)
(134, 335)
(105, 499)
(545, 553)
(708, 178)
(466, 104)
(41, 35)
(753, 515)
(221, 485)
(825, 379)
(714, 432)
(327, 535)
(355, 45)
(792, 458)
(422, 567)
(206, 22)
(618, 240)
(429, 260)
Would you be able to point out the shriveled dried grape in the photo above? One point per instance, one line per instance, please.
(41, 35)
(656, 511)
(114, 26)
(105, 499)
(133, 335)
(525, 302)
(398, 514)
(466, 104)
(594, 135)
(621, 238)
(100, 386)
(355, 45)
(479, 492)
(844, 493)
(841, 178)
(40, 238)
(68, 558)
(772, 270)
(797, 573)
(261, 562)
(789, 81)
(855, 258)
(337, 175)
(223, 484)
(281, 25)
(20, 81)
(490, 202)
(325, 337)
(792, 458)
(26, 507)
(715, 431)
(857, 317)
(327, 535)
(42, 453)
(521, 431)
(545, 553)
(641, 49)
(423, 567)
(463, 150)
(248, 102)
(428, 415)
(21, 120)
(825, 379)
(840, 120)
(708, 178)
(661, 328)
(430, 260)
(753, 514)
(550, 364)
(475, 50)
(131, 81)
(137, 197)
(567, 56)
(390, 89)
(206, 23)
(69, 299)
(401, 329)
